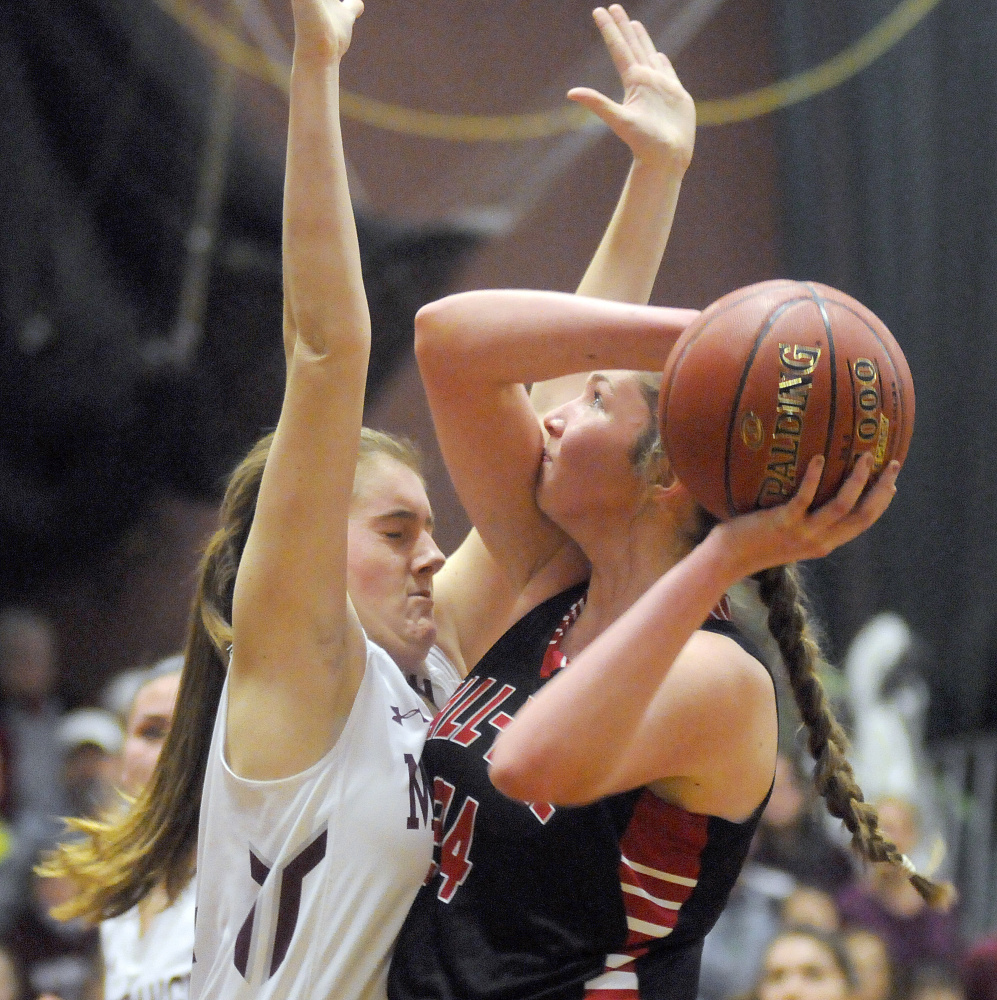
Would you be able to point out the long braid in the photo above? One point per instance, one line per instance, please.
(781, 591)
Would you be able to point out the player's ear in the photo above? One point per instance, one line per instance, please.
(660, 472)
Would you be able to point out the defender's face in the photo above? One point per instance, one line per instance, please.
(392, 559)
(148, 725)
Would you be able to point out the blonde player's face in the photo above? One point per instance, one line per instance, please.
(392, 558)
(587, 465)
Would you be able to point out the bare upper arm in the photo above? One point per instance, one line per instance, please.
(709, 738)
(298, 651)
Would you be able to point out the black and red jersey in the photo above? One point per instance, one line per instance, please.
(524, 900)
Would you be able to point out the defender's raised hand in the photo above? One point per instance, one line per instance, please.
(657, 118)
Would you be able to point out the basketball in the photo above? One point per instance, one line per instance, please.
(769, 376)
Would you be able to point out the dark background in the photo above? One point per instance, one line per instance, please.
(138, 361)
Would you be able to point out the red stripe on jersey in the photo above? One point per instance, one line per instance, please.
(722, 609)
(659, 867)
(554, 659)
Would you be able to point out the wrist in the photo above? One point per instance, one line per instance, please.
(661, 164)
(723, 556)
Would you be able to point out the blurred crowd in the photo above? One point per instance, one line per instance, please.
(804, 922)
(54, 763)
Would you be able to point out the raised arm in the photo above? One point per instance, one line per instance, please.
(657, 120)
(475, 350)
(476, 598)
(645, 701)
(297, 649)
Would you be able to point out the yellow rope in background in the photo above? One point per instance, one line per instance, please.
(542, 124)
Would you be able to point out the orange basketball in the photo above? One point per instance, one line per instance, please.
(769, 376)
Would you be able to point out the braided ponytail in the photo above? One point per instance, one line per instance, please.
(781, 592)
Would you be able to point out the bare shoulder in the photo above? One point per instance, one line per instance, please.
(717, 711)
(715, 678)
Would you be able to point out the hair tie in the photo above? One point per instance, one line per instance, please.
(908, 865)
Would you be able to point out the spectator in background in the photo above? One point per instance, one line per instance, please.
(91, 740)
(148, 950)
(59, 957)
(806, 906)
(979, 969)
(732, 951)
(874, 975)
(16, 856)
(915, 934)
(802, 963)
(885, 669)
(768, 894)
(30, 716)
(118, 694)
(13, 983)
(792, 839)
(932, 982)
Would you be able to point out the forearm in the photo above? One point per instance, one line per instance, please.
(510, 336)
(629, 255)
(579, 738)
(325, 307)
(626, 261)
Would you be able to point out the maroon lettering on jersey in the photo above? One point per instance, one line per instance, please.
(290, 879)
(259, 871)
(418, 794)
(289, 905)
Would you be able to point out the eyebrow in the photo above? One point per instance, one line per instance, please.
(598, 377)
(403, 514)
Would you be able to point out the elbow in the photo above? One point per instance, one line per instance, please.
(511, 778)
(443, 330)
(526, 779)
(432, 333)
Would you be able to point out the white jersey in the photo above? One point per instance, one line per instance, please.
(303, 882)
(154, 965)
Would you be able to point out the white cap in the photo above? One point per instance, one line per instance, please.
(91, 725)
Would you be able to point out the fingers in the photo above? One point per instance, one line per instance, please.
(628, 42)
(635, 48)
(807, 490)
(616, 44)
(851, 489)
(856, 505)
(880, 495)
(649, 52)
(597, 103)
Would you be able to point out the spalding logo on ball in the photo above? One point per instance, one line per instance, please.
(768, 377)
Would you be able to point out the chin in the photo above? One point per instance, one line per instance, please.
(410, 651)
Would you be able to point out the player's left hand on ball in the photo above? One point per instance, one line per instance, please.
(791, 532)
